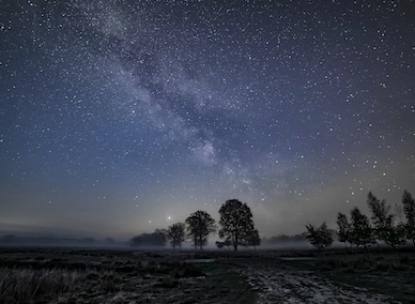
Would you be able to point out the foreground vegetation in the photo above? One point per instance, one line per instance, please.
(95, 277)
(27, 284)
(305, 276)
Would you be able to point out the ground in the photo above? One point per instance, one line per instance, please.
(108, 276)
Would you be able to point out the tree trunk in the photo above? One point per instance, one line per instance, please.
(235, 243)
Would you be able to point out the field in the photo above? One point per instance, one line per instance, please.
(262, 276)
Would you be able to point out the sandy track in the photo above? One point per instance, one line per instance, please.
(285, 286)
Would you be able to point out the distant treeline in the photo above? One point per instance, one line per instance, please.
(284, 238)
(46, 240)
(156, 239)
(358, 230)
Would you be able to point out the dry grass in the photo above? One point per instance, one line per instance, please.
(28, 286)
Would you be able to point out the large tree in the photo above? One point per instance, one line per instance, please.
(409, 210)
(176, 234)
(383, 222)
(361, 233)
(320, 237)
(199, 225)
(236, 221)
(345, 228)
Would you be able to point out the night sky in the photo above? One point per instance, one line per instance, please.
(119, 117)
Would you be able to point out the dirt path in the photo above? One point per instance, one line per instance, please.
(294, 286)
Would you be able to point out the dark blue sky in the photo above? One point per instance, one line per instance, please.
(118, 117)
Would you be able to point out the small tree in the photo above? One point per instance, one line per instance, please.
(381, 217)
(320, 237)
(237, 223)
(344, 232)
(361, 233)
(396, 235)
(199, 225)
(382, 220)
(409, 211)
(176, 234)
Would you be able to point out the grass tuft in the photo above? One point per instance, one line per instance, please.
(28, 285)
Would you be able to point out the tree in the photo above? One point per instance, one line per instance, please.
(157, 239)
(236, 223)
(381, 217)
(199, 225)
(320, 237)
(361, 233)
(176, 234)
(409, 211)
(344, 232)
(396, 235)
(383, 222)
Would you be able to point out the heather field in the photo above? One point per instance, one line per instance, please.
(100, 276)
